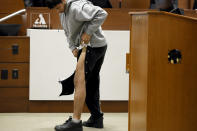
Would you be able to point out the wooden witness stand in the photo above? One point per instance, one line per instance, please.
(162, 95)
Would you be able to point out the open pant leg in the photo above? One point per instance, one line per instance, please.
(93, 63)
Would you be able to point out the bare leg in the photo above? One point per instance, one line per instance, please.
(80, 90)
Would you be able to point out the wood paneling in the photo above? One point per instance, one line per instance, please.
(6, 49)
(23, 75)
(191, 4)
(136, 4)
(132, 4)
(14, 99)
(115, 3)
(54, 16)
(67, 106)
(118, 19)
(10, 6)
(163, 95)
(172, 87)
(183, 4)
(186, 4)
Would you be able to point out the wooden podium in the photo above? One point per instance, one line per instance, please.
(163, 84)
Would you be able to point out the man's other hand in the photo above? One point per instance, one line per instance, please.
(85, 38)
(75, 52)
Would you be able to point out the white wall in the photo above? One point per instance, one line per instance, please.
(51, 60)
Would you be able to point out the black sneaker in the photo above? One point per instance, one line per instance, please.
(69, 125)
(94, 122)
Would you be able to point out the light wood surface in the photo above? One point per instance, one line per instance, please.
(190, 13)
(139, 80)
(163, 96)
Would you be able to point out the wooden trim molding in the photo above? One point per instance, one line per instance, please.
(14, 100)
(17, 100)
(67, 106)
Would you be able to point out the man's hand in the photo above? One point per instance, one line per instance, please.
(75, 52)
(85, 38)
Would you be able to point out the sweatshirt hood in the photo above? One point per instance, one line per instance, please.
(68, 2)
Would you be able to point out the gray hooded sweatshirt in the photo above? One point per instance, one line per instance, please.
(82, 16)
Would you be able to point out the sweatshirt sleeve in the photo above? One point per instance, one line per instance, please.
(93, 15)
(71, 45)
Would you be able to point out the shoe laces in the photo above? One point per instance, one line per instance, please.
(69, 119)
